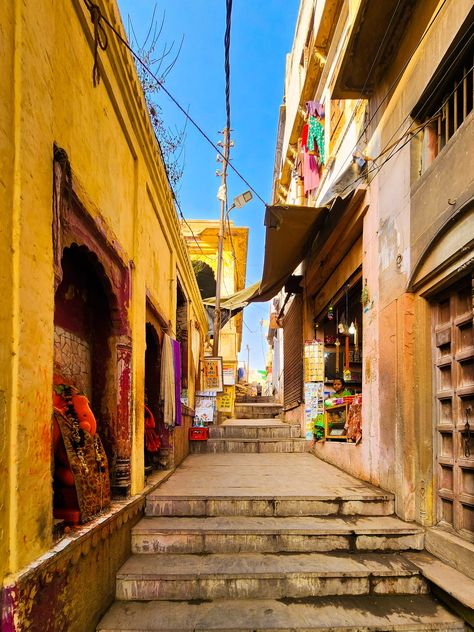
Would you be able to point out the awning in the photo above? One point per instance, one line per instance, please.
(290, 232)
(236, 301)
(230, 305)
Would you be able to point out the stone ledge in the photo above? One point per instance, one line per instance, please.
(451, 549)
(452, 583)
(68, 550)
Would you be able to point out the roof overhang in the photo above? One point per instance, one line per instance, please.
(378, 28)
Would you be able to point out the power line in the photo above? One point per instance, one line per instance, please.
(435, 88)
(410, 132)
(227, 61)
(360, 99)
(97, 17)
(251, 330)
(402, 70)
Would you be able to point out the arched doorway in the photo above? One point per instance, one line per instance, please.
(90, 354)
(83, 326)
(205, 278)
(444, 276)
(94, 260)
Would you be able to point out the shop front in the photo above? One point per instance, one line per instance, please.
(333, 368)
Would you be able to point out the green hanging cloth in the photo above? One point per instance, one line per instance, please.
(316, 136)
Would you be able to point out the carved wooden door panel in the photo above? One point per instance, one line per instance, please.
(453, 355)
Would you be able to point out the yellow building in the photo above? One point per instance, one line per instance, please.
(93, 272)
(202, 239)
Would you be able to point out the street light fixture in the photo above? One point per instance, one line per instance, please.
(239, 201)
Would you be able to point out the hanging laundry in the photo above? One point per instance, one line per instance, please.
(177, 380)
(310, 172)
(315, 108)
(167, 383)
(316, 137)
(304, 136)
(299, 162)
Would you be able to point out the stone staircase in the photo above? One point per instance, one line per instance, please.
(252, 436)
(271, 541)
(258, 410)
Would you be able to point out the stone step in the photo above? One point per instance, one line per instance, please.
(354, 504)
(455, 588)
(241, 534)
(247, 431)
(249, 446)
(268, 576)
(257, 411)
(265, 485)
(419, 613)
(255, 399)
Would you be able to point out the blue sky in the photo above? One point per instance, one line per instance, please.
(262, 34)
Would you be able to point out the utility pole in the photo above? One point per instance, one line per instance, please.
(220, 246)
(248, 364)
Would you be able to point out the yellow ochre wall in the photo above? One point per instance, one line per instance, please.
(47, 97)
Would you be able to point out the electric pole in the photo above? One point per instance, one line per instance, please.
(220, 244)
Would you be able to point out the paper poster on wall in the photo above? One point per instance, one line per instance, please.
(225, 400)
(314, 409)
(212, 374)
(228, 372)
(205, 406)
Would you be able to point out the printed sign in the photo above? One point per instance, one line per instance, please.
(225, 400)
(314, 409)
(228, 372)
(212, 374)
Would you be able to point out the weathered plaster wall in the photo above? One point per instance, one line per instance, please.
(67, 589)
(7, 263)
(401, 225)
(404, 213)
(72, 359)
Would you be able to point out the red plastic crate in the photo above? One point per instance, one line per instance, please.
(198, 434)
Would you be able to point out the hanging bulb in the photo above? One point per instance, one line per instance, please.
(352, 329)
(330, 313)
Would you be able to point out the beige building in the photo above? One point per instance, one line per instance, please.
(387, 159)
(202, 241)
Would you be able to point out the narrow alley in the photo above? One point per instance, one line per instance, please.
(259, 534)
(237, 315)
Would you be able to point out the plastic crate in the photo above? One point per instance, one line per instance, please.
(198, 434)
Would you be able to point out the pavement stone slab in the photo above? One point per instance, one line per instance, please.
(420, 613)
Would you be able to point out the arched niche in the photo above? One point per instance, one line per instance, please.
(205, 278)
(449, 254)
(90, 267)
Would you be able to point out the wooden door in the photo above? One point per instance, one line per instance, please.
(453, 354)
